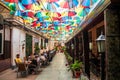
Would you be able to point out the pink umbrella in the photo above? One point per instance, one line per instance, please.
(69, 3)
(65, 5)
(53, 0)
(12, 1)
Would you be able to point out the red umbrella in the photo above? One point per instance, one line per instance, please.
(71, 13)
(56, 18)
(34, 24)
(12, 1)
(28, 6)
(58, 14)
(30, 14)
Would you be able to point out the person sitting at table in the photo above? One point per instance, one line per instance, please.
(18, 59)
(26, 62)
(33, 58)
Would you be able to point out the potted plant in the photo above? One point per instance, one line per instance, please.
(76, 68)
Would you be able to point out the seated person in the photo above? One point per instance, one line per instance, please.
(32, 56)
(18, 59)
(33, 59)
(28, 63)
(42, 57)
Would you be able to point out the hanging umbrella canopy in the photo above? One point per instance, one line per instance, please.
(69, 4)
(58, 17)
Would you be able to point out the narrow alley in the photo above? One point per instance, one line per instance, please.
(57, 70)
(59, 39)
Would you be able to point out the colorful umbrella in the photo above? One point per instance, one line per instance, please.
(12, 1)
(27, 6)
(27, 2)
(71, 13)
(84, 12)
(55, 17)
(69, 3)
(52, 1)
(86, 3)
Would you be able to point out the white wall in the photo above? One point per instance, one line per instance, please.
(18, 38)
(51, 44)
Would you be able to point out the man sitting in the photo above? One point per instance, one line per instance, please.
(27, 63)
(18, 59)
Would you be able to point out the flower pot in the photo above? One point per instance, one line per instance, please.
(77, 74)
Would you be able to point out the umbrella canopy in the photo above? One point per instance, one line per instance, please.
(56, 18)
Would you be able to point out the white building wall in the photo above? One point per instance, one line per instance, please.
(51, 44)
(18, 39)
(40, 42)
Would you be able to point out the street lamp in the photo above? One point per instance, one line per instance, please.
(101, 43)
(101, 49)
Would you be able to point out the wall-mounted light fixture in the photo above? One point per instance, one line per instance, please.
(101, 49)
(101, 43)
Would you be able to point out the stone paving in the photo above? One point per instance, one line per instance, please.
(55, 71)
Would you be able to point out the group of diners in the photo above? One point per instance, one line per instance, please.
(35, 60)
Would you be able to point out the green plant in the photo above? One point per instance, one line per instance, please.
(37, 49)
(76, 66)
(64, 48)
(68, 57)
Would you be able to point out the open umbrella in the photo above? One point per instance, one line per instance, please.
(27, 2)
(84, 12)
(12, 1)
(86, 3)
(69, 4)
(53, 1)
(71, 13)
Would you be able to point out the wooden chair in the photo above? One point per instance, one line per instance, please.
(22, 68)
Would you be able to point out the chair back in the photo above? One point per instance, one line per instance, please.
(21, 67)
(16, 62)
